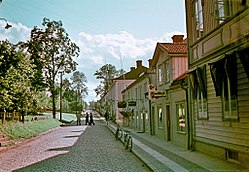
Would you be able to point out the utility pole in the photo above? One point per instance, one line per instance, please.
(60, 97)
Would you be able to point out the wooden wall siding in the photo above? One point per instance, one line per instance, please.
(236, 6)
(243, 95)
(179, 66)
(214, 128)
(209, 18)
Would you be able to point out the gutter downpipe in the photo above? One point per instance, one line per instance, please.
(190, 143)
(151, 132)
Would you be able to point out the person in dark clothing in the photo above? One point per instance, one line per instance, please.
(91, 119)
(106, 117)
(87, 117)
(78, 116)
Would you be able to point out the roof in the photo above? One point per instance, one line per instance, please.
(171, 48)
(175, 47)
(179, 79)
(133, 74)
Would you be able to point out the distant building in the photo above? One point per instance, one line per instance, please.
(138, 105)
(113, 95)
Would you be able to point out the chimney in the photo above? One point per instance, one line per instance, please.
(150, 61)
(177, 38)
(132, 68)
(139, 63)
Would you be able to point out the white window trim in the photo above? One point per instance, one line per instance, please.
(229, 114)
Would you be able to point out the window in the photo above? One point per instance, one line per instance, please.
(229, 102)
(140, 92)
(224, 75)
(167, 72)
(160, 75)
(201, 105)
(198, 19)
(181, 118)
(222, 10)
(199, 90)
(160, 117)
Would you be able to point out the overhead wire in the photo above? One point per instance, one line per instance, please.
(95, 25)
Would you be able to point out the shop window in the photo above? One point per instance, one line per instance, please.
(181, 118)
(160, 117)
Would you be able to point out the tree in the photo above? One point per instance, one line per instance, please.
(53, 50)
(16, 74)
(106, 73)
(78, 84)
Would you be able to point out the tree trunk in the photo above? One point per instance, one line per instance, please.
(3, 117)
(23, 116)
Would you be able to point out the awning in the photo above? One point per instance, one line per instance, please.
(222, 70)
(244, 58)
(198, 81)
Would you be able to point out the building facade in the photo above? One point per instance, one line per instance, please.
(169, 62)
(113, 96)
(138, 104)
(218, 40)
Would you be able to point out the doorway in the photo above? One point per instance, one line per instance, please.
(152, 120)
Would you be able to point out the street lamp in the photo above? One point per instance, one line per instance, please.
(7, 24)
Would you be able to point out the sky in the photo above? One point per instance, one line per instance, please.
(116, 32)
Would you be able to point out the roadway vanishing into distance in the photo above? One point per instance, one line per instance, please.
(71, 148)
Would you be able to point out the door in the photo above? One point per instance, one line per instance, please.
(153, 120)
(168, 122)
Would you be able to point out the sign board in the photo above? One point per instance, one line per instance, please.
(132, 103)
(122, 104)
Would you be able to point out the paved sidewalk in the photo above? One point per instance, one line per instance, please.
(160, 155)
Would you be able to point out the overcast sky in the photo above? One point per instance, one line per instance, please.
(117, 32)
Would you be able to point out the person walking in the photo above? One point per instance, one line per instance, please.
(106, 117)
(91, 119)
(87, 118)
(78, 116)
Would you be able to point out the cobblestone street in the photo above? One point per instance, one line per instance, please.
(72, 148)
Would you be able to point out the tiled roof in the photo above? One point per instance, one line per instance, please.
(179, 47)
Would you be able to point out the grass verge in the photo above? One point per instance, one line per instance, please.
(17, 130)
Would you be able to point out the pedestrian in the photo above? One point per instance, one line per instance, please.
(78, 115)
(106, 117)
(91, 119)
(87, 116)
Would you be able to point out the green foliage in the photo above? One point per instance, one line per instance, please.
(106, 73)
(16, 74)
(53, 51)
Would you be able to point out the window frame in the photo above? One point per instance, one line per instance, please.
(160, 74)
(181, 127)
(222, 10)
(201, 105)
(198, 19)
(160, 116)
(167, 71)
(229, 104)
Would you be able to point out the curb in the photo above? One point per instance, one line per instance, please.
(144, 160)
